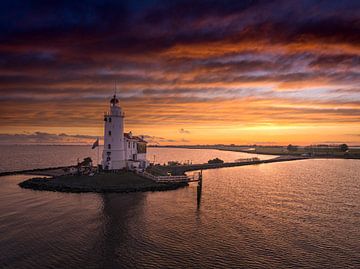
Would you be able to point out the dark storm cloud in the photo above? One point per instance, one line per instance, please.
(112, 26)
(164, 53)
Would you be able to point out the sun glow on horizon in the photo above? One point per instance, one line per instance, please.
(243, 76)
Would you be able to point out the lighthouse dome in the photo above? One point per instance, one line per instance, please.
(114, 100)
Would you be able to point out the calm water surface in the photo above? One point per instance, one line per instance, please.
(301, 214)
(16, 157)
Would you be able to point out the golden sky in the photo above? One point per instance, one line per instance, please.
(187, 73)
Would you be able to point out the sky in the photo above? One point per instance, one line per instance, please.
(187, 72)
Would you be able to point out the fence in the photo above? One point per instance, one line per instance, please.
(254, 159)
(164, 179)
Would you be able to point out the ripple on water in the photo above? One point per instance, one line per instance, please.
(297, 214)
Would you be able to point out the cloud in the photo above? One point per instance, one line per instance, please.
(336, 61)
(183, 131)
(45, 138)
(182, 62)
(66, 139)
(159, 140)
(269, 143)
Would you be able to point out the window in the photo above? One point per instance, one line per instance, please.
(141, 148)
(109, 132)
(109, 146)
(133, 145)
(109, 119)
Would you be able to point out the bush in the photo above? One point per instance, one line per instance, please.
(292, 148)
(216, 160)
(86, 162)
(172, 163)
(344, 147)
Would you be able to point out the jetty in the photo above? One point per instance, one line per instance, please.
(155, 178)
(48, 171)
(178, 170)
(172, 178)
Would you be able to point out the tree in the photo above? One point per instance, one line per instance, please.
(344, 147)
(216, 160)
(172, 163)
(86, 162)
(292, 148)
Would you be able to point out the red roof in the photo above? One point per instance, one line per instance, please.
(133, 137)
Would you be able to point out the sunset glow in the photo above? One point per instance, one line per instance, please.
(244, 72)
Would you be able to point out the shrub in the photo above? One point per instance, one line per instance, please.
(344, 147)
(216, 160)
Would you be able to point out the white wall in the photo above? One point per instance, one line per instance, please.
(130, 148)
(114, 124)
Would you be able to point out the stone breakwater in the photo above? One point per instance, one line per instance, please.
(101, 183)
(182, 169)
(50, 171)
(125, 181)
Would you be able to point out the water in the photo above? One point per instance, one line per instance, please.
(301, 214)
(17, 157)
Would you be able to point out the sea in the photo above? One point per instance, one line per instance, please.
(298, 214)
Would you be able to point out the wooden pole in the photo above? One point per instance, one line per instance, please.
(199, 189)
(97, 162)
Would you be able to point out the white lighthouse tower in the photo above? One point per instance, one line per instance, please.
(113, 156)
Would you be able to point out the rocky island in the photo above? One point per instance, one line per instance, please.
(121, 182)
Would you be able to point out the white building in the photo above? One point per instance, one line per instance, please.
(121, 150)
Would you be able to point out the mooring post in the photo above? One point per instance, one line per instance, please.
(199, 189)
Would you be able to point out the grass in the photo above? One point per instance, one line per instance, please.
(103, 182)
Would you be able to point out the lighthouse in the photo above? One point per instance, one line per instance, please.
(113, 157)
(121, 150)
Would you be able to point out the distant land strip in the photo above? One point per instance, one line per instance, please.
(318, 153)
(41, 171)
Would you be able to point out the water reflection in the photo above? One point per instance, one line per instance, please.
(199, 189)
(284, 215)
(198, 196)
(119, 212)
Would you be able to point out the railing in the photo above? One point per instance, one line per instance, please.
(108, 114)
(254, 159)
(181, 178)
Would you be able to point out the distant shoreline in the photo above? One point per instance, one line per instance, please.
(35, 171)
(45, 171)
(273, 151)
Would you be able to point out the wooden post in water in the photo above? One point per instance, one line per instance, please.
(199, 189)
